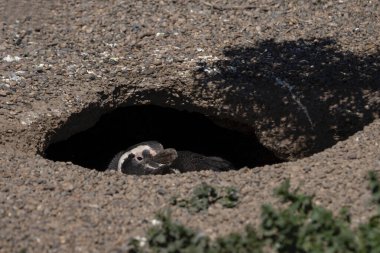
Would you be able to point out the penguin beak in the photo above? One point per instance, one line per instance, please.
(160, 163)
(166, 156)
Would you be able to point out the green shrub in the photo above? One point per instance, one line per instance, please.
(301, 227)
(369, 233)
(304, 227)
(204, 196)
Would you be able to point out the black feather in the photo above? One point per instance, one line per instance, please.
(190, 161)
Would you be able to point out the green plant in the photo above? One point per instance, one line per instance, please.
(301, 227)
(204, 195)
(369, 233)
(304, 227)
(247, 242)
(171, 237)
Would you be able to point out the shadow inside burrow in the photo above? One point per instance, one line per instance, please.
(115, 131)
(310, 89)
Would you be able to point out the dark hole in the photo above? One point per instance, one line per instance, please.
(182, 130)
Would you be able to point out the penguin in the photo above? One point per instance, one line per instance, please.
(150, 157)
(144, 158)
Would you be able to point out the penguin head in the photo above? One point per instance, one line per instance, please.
(146, 158)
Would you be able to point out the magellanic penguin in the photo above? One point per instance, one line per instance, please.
(144, 158)
(151, 158)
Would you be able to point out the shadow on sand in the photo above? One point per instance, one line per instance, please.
(306, 95)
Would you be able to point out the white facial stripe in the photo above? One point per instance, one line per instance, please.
(136, 151)
(121, 160)
(151, 167)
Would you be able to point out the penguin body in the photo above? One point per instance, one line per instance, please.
(151, 158)
(189, 161)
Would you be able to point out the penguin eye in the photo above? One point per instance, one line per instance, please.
(139, 158)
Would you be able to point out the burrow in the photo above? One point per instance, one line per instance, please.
(93, 136)
(266, 104)
(179, 129)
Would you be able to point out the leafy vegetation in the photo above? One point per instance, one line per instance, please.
(300, 227)
(204, 196)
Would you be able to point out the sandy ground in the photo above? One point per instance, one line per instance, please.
(302, 76)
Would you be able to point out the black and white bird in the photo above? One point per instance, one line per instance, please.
(151, 158)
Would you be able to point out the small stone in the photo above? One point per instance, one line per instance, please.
(161, 191)
(10, 58)
(3, 93)
(68, 186)
(49, 187)
(113, 60)
(306, 169)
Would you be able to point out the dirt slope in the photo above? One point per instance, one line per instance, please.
(303, 76)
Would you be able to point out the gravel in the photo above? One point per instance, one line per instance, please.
(302, 75)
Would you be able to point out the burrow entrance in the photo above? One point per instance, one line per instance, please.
(117, 130)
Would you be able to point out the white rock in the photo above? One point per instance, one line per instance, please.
(10, 58)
